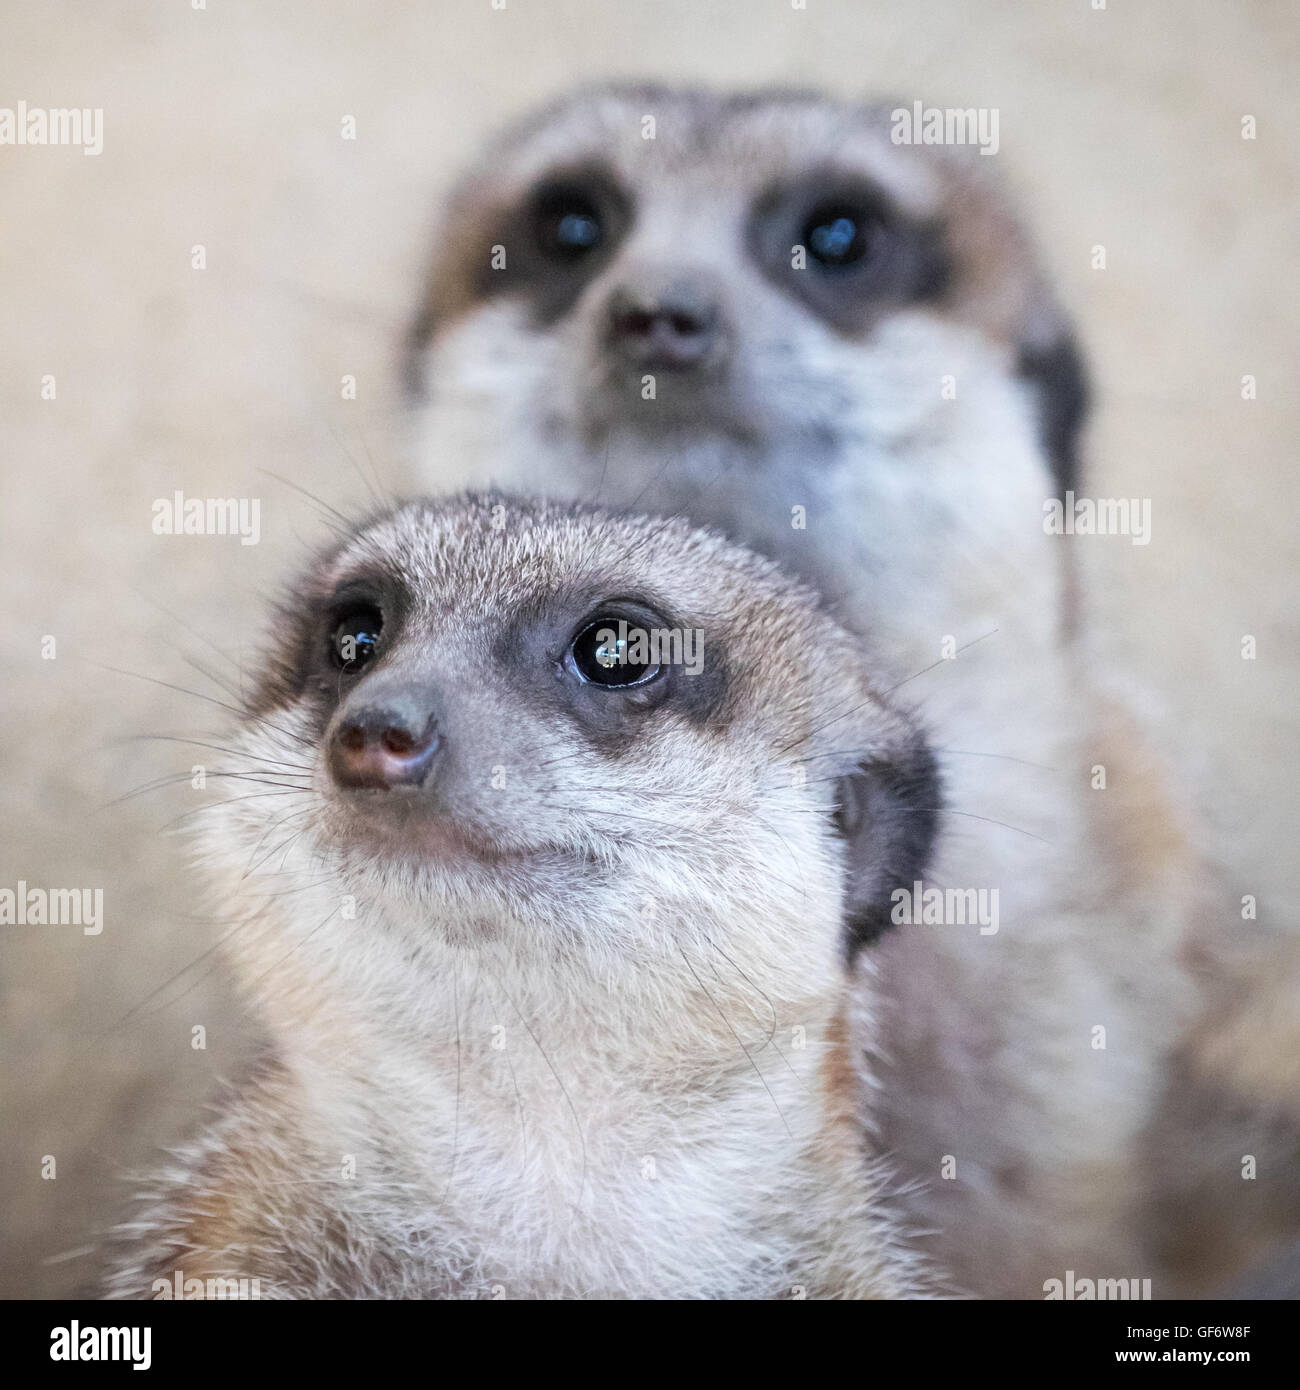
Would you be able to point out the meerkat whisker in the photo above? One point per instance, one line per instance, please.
(493, 808)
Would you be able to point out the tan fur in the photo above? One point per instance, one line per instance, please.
(673, 1112)
(1249, 1040)
(925, 525)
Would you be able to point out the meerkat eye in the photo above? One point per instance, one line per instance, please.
(355, 639)
(566, 223)
(605, 653)
(838, 234)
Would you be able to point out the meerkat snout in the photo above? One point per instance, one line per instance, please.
(387, 736)
(669, 325)
(385, 743)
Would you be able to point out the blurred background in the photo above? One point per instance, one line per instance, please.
(223, 128)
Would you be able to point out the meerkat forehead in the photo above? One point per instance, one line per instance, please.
(485, 578)
(715, 140)
(490, 554)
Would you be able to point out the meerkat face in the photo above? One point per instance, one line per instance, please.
(770, 270)
(583, 728)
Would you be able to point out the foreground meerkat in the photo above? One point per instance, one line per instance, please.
(762, 312)
(556, 940)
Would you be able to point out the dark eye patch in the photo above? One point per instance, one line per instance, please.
(567, 222)
(307, 654)
(557, 239)
(861, 254)
(348, 630)
(536, 654)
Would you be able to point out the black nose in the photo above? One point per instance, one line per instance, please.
(393, 743)
(675, 328)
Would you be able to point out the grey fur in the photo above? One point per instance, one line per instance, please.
(653, 929)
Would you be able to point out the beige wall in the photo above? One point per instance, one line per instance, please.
(1119, 127)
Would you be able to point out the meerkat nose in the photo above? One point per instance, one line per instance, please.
(674, 327)
(380, 746)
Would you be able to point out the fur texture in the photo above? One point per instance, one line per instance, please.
(919, 422)
(576, 1021)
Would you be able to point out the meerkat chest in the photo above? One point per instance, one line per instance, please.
(530, 1190)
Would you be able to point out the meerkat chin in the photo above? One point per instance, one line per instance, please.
(761, 312)
(556, 928)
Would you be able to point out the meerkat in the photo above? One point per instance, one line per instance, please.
(764, 313)
(557, 939)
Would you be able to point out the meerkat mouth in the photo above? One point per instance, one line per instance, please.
(684, 416)
(418, 835)
(439, 842)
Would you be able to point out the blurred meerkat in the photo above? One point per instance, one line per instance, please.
(554, 937)
(763, 313)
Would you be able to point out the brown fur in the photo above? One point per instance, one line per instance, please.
(677, 1114)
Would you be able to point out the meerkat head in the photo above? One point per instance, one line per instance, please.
(566, 733)
(767, 269)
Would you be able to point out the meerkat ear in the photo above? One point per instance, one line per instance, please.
(887, 812)
(1052, 362)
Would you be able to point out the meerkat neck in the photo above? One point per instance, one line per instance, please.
(617, 1111)
(428, 1019)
